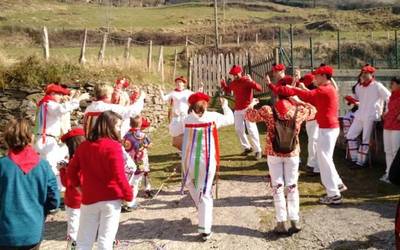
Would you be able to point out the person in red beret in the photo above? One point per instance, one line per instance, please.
(72, 197)
(200, 155)
(51, 109)
(283, 166)
(325, 99)
(178, 99)
(242, 87)
(371, 95)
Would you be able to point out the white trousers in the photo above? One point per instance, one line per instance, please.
(204, 202)
(312, 133)
(284, 173)
(53, 153)
(391, 139)
(136, 182)
(357, 152)
(240, 126)
(73, 215)
(325, 147)
(102, 218)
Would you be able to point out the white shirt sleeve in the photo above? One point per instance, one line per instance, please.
(225, 119)
(384, 93)
(56, 108)
(166, 97)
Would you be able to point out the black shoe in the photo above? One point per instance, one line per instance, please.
(310, 171)
(294, 227)
(246, 152)
(206, 237)
(148, 194)
(331, 200)
(126, 209)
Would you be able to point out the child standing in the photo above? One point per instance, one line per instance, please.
(97, 168)
(72, 197)
(283, 166)
(178, 98)
(136, 143)
(200, 155)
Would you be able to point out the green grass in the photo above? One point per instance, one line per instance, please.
(364, 185)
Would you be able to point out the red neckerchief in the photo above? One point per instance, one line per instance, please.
(367, 83)
(45, 99)
(178, 90)
(26, 159)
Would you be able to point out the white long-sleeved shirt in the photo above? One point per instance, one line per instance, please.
(372, 99)
(180, 104)
(221, 120)
(55, 112)
(125, 111)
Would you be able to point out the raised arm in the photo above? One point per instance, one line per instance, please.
(227, 118)
(225, 87)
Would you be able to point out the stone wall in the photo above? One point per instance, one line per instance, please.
(22, 103)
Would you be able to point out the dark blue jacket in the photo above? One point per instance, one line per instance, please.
(25, 200)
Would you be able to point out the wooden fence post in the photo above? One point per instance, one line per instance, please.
(187, 48)
(205, 40)
(256, 37)
(46, 51)
(127, 49)
(190, 73)
(160, 59)
(82, 58)
(149, 55)
(103, 47)
(175, 63)
(238, 40)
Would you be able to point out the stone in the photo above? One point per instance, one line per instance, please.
(12, 104)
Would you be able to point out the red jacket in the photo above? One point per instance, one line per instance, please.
(100, 165)
(390, 121)
(242, 90)
(324, 99)
(72, 197)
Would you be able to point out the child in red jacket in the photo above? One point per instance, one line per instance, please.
(72, 197)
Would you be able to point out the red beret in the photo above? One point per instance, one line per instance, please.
(181, 78)
(55, 88)
(72, 133)
(368, 69)
(307, 79)
(121, 83)
(235, 70)
(145, 123)
(350, 99)
(199, 96)
(323, 70)
(278, 67)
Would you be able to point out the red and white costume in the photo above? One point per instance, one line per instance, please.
(179, 111)
(48, 127)
(283, 168)
(97, 168)
(391, 129)
(200, 157)
(325, 99)
(93, 111)
(371, 96)
(242, 90)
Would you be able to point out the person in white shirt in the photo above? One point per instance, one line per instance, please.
(372, 96)
(200, 155)
(103, 102)
(178, 99)
(48, 127)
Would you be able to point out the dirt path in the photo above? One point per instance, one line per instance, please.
(243, 218)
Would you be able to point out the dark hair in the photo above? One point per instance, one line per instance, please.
(396, 80)
(73, 143)
(105, 127)
(198, 107)
(135, 121)
(18, 134)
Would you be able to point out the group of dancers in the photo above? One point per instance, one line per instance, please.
(101, 164)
